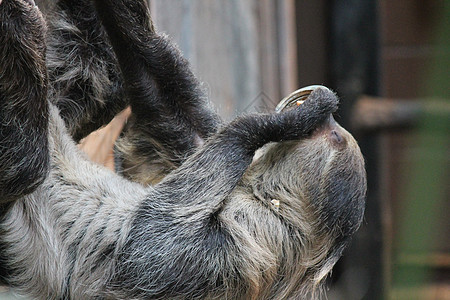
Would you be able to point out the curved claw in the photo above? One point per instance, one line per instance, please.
(297, 97)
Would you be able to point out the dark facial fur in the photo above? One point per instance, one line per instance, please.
(221, 222)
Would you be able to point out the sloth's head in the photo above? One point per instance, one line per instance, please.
(316, 187)
(322, 176)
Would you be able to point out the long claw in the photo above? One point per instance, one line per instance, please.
(297, 97)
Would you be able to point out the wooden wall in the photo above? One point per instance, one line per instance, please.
(243, 50)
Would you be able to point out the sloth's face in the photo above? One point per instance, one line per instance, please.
(318, 180)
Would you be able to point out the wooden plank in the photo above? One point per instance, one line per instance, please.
(244, 50)
(312, 46)
(287, 46)
(219, 38)
(268, 49)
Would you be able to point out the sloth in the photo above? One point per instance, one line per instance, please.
(259, 208)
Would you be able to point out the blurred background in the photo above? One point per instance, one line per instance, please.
(389, 61)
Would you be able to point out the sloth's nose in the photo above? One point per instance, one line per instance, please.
(335, 131)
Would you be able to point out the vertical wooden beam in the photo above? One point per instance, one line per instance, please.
(287, 47)
(268, 50)
(312, 21)
(220, 39)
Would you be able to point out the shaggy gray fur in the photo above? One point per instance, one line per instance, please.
(208, 228)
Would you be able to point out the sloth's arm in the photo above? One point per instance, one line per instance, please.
(23, 104)
(85, 81)
(162, 88)
(213, 172)
(176, 247)
(171, 115)
(177, 237)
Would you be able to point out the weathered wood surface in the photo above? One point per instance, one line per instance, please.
(243, 50)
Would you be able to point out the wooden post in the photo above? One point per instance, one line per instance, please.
(244, 50)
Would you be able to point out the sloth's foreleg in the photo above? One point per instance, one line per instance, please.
(23, 104)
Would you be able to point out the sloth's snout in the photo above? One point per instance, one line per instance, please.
(336, 136)
(335, 133)
(332, 131)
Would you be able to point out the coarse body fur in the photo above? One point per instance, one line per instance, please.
(206, 228)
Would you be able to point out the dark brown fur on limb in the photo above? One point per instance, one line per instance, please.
(260, 208)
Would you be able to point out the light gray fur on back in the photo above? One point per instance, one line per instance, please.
(71, 226)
